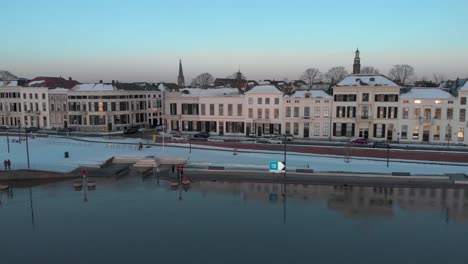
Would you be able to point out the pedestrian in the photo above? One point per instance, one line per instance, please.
(181, 170)
(9, 165)
(173, 168)
(5, 163)
(140, 146)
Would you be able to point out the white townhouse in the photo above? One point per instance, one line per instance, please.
(427, 115)
(10, 104)
(58, 106)
(219, 111)
(264, 105)
(365, 106)
(35, 106)
(462, 125)
(103, 107)
(308, 114)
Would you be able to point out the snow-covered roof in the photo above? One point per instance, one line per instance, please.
(8, 83)
(263, 89)
(58, 90)
(94, 87)
(366, 80)
(35, 82)
(210, 92)
(312, 94)
(464, 87)
(427, 93)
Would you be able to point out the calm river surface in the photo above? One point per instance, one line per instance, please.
(144, 221)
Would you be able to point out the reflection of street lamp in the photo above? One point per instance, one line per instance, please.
(27, 146)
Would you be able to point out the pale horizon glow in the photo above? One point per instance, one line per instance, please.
(144, 40)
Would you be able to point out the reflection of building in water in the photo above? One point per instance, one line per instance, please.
(351, 200)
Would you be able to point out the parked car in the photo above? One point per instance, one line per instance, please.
(361, 141)
(275, 141)
(131, 130)
(4, 127)
(179, 138)
(32, 129)
(202, 135)
(65, 129)
(381, 144)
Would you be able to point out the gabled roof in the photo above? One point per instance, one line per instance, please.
(7, 76)
(427, 93)
(366, 80)
(52, 82)
(263, 89)
(464, 87)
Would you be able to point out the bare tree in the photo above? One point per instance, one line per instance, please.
(234, 76)
(203, 80)
(402, 74)
(369, 70)
(310, 75)
(438, 77)
(336, 75)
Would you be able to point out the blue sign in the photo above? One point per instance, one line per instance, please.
(277, 166)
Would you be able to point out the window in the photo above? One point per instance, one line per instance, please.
(405, 113)
(406, 101)
(173, 108)
(296, 111)
(296, 128)
(316, 129)
(44, 107)
(288, 111)
(427, 113)
(379, 130)
(326, 129)
(436, 132)
(365, 97)
(404, 132)
(276, 113)
(449, 113)
(276, 101)
(259, 100)
(35, 96)
(239, 109)
(417, 101)
(461, 134)
(259, 113)
(267, 101)
(229, 109)
(450, 102)
(462, 115)
(250, 100)
(463, 100)
(267, 113)
(416, 133)
(438, 113)
(202, 109)
(417, 113)
(288, 128)
(221, 109)
(317, 111)
(306, 112)
(340, 111)
(326, 112)
(212, 109)
(438, 101)
(250, 112)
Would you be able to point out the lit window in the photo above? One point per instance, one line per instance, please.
(438, 101)
(417, 101)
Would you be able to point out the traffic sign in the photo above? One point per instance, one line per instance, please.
(277, 166)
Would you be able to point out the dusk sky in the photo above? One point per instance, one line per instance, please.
(143, 40)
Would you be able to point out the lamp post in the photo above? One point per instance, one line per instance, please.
(27, 146)
(388, 154)
(190, 143)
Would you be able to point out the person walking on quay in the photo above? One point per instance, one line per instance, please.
(5, 163)
(9, 164)
(182, 170)
(140, 146)
(173, 168)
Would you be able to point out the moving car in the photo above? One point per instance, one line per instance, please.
(381, 144)
(361, 141)
(178, 138)
(275, 141)
(202, 135)
(131, 130)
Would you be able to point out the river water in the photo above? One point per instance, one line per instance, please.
(132, 220)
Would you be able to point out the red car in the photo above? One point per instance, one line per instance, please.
(361, 141)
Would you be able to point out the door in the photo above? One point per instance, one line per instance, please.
(221, 128)
(426, 130)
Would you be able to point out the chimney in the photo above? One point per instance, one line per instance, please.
(100, 81)
(70, 79)
(113, 81)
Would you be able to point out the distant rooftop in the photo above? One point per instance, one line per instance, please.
(427, 93)
(7, 76)
(310, 94)
(366, 80)
(262, 89)
(210, 92)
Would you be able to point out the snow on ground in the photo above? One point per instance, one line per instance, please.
(48, 154)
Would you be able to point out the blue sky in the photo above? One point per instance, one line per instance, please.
(143, 40)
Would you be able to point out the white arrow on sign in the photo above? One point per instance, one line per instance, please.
(281, 166)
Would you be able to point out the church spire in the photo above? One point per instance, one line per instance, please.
(357, 63)
(180, 78)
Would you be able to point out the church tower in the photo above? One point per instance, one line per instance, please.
(180, 78)
(357, 63)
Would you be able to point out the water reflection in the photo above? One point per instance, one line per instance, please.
(351, 201)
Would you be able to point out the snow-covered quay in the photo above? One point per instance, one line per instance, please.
(48, 154)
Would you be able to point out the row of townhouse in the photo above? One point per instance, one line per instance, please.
(370, 106)
(85, 107)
